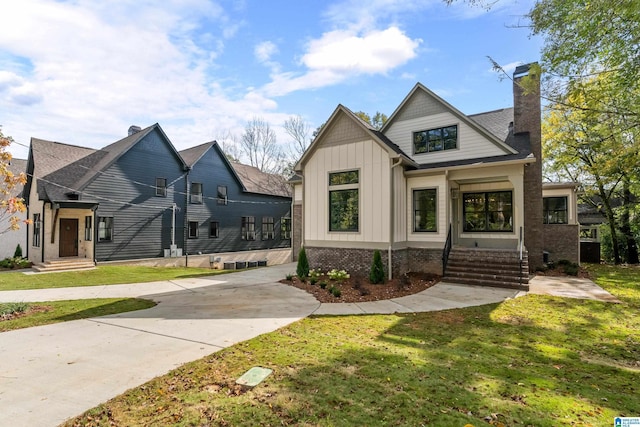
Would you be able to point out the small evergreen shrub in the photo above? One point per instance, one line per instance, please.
(336, 292)
(303, 264)
(323, 285)
(313, 280)
(571, 269)
(376, 274)
(289, 277)
(18, 252)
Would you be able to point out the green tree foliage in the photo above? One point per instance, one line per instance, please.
(377, 121)
(586, 139)
(376, 275)
(302, 269)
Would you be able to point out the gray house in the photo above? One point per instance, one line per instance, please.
(138, 198)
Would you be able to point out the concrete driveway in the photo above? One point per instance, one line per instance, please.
(51, 373)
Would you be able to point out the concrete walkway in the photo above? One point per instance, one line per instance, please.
(51, 373)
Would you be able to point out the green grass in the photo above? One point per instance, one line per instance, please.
(535, 360)
(102, 275)
(62, 311)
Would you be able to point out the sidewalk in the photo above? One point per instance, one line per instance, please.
(51, 373)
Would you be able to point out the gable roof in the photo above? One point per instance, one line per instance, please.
(374, 134)
(250, 178)
(16, 167)
(64, 168)
(477, 125)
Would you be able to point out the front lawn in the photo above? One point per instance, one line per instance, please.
(26, 315)
(535, 360)
(102, 275)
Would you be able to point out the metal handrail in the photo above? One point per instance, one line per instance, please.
(446, 251)
(520, 248)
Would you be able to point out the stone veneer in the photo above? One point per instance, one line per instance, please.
(358, 261)
(562, 242)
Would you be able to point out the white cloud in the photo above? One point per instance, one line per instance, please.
(265, 50)
(342, 54)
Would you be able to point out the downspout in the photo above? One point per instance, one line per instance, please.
(42, 233)
(185, 226)
(391, 218)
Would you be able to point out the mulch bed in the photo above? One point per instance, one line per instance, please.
(31, 310)
(358, 289)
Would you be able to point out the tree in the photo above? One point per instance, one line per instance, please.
(587, 139)
(258, 143)
(298, 130)
(10, 204)
(378, 120)
(302, 269)
(376, 275)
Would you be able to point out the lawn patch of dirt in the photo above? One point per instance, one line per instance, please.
(358, 289)
(33, 309)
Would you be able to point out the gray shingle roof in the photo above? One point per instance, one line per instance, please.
(16, 167)
(256, 181)
(496, 122)
(193, 154)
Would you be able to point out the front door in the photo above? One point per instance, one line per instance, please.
(68, 237)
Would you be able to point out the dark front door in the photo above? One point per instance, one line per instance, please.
(68, 237)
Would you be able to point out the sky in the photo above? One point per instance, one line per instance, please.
(82, 71)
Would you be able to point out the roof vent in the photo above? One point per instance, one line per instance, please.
(134, 129)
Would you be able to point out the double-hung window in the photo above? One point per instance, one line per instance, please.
(214, 229)
(488, 211)
(196, 192)
(88, 228)
(193, 229)
(268, 228)
(248, 229)
(344, 205)
(438, 139)
(36, 230)
(105, 228)
(555, 210)
(424, 210)
(222, 195)
(161, 187)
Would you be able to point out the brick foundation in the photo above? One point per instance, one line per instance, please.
(562, 241)
(296, 237)
(358, 261)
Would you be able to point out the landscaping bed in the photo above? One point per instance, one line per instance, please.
(358, 289)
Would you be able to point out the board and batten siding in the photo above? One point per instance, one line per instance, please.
(212, 171)
(373, 162)
(471, 143)
(141, 220)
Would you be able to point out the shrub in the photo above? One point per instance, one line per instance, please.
(313, 280)
(338, 274)
(315, 274)
(376, 274)
(336, 292)
(323, 285)
(289, 277)
(303, 264)
(571, 269)
(18, 252)
(13, 307)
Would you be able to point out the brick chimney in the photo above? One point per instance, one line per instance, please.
(527, 119)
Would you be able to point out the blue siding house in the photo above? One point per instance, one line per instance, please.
(140, 198)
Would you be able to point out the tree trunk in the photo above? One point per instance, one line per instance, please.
(608, 211)
(625, 225)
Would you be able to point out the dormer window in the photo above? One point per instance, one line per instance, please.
(438, 139)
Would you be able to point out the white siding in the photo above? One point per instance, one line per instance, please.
(471, 144)
(572, 202)
(373, 163)
(12, 238)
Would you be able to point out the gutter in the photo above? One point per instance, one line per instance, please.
(391, 218)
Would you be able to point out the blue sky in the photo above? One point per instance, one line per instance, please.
(83, 71)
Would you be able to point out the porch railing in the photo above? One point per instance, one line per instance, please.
(520, 249)
(446, 251)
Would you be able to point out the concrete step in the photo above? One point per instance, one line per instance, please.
(507, 278)
(63, 265)
(485, 282)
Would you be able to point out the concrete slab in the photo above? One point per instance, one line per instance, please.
(570, 287)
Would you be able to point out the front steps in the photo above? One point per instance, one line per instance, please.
(64, 264)
(488, 267)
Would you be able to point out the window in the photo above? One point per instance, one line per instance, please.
(214, 229)
(88, 229)
(343, 201)
(193, 229)
(222, 195)
(161, 187)
(439, 139)
(589, 233)
(196, 192)
(285, 228)
(424, 210)
(268, 229)
(555, 210)
(248, 228)
(36, 230)
(105, 228)
(491, 211)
